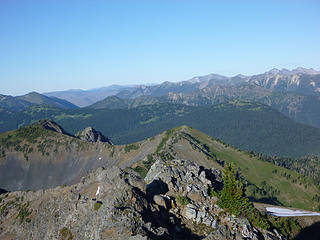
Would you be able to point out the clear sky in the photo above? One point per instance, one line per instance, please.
(49, 45)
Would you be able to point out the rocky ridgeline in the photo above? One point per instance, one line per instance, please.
(89, 134)
(183, 188)
(52, 126)
(173, 202)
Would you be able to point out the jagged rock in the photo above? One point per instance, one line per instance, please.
(116, 204)
(190, 211)
(51, 125)
(195, 195)
(247, 230)
(181, 177)
(135, 180)
(273, 235)
(214, 224)
(221, 233)
(120, 210)
(89, 134)
(162, 200)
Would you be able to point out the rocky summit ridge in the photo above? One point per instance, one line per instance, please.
(172, 202)
(89, 134)
(51, 125)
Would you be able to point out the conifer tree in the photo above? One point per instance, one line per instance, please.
(233, 197)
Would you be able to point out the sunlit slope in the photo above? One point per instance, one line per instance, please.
(265, 181)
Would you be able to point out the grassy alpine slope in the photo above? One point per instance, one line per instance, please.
(264, 181)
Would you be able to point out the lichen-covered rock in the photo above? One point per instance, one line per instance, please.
(180, 177)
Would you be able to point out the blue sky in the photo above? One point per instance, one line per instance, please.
(63, 44)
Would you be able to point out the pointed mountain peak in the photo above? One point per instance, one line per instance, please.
(33, 97)
(33, 93)
(297, 70)
(273, 71)
(310, 71)
(285, 71)
(241, 76)
(52, 126)
(208, 77)
(89, 134)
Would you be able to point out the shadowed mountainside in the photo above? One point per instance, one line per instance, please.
(311, 233)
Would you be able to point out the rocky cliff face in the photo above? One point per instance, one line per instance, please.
(299, 107)
(52, 126)
(112, 203)
(89, 134)
(299, 82)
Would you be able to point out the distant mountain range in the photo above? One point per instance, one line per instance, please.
(138, 112)
(20, 103)
(300, 80)
(294, 93)
(83, 98)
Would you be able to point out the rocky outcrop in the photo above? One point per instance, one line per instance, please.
(112, 203)
(89, 134)
(188, 186)
(52, 126)
(107, 204)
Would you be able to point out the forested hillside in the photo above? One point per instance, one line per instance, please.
(248, 126)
